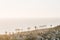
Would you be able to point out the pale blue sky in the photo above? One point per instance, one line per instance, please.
(28, 9)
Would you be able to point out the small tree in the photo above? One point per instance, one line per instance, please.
(5, 33)
(28, 28)
(50, 25)
(35, 27)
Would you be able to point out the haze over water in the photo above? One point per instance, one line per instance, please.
(10, 25)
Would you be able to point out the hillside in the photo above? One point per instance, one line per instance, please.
(48, 33)
(41, 31)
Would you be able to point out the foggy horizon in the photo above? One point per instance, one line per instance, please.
(10, 25)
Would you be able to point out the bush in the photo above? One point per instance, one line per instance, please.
(30, 38)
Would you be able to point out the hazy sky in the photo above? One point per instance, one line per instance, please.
(17, 11)
(29, 8)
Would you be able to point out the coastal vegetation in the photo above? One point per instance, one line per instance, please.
(37, 34)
